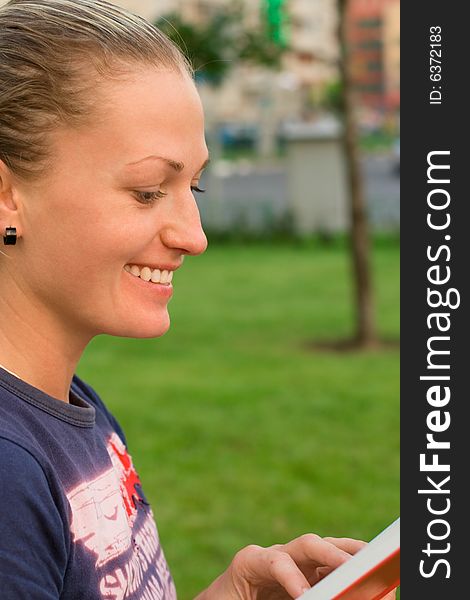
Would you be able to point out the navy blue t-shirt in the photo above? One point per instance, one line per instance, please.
(74, 520)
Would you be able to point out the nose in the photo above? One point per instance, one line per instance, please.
(183, 230)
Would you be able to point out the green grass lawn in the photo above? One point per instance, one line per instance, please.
(238, 433)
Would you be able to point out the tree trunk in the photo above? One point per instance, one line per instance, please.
(365, 334)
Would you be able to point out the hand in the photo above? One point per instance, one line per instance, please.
(282, 571)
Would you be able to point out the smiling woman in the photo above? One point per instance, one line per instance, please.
(101, 148)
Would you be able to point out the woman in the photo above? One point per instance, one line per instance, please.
(101, 147)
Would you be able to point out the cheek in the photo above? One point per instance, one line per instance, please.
(88, 231)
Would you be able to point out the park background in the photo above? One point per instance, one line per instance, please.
(264, 412)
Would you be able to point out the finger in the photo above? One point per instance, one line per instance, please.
(347, 544)
(319, 574)
(316, 551)
(282, 568)
(323, 572)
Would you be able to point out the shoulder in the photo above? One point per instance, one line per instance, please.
(33, 524)
(28, 489)
(22, 472)
(17, 460)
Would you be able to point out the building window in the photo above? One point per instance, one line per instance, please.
(369, 23)
(369, 44)
(374, 66)
(369, 88)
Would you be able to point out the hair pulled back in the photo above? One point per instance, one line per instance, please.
(52, 54)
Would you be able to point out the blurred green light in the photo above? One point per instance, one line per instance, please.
(275, 14)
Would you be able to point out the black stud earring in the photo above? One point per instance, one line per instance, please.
(9, 239)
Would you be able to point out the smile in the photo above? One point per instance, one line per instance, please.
(162, 277)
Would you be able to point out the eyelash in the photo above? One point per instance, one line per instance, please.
(156, 195)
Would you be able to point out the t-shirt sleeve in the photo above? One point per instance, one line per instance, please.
(33, 544)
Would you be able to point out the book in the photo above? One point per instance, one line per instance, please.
(370, 574)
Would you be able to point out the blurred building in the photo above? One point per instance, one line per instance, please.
(312, 39)
(391, 37)
(196, 11)
(149, 9)
(373, 29)
(251, 91)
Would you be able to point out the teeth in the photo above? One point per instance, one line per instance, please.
(156, 276)
(145, 274)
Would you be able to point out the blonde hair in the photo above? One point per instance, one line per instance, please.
(51, 52)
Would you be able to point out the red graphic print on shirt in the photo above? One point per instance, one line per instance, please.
(104, 512)
(104, 508)
(128, 477)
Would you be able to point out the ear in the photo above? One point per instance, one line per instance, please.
(10, 208)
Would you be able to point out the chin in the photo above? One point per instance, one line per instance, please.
(142, 329)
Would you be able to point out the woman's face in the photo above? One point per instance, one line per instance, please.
(92, 217)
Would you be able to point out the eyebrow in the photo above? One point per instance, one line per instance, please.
(174, 164)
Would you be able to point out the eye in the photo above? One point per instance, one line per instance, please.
(195, 188)
(149, 197)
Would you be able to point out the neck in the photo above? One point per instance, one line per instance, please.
(15, 374)
(37, 347)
